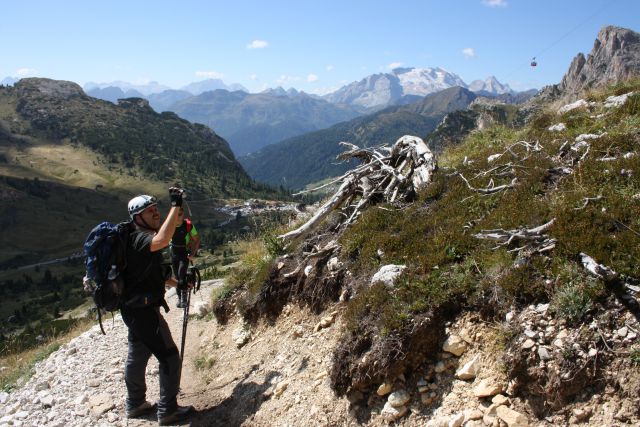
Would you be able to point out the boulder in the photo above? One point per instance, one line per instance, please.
(388, 274)
(511, 418)
(391, 413)
(201, 308)
(487, 387)
(455, 345)
(469, 370)
(399, 398)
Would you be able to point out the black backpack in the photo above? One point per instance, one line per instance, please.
(106, 251)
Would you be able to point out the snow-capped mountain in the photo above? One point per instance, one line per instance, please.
(490, 85)
(384, 89)
(423, 81)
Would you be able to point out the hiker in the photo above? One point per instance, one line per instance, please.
(184, 245)
(149, 334)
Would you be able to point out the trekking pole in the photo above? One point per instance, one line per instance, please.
(185, 321)
(193, 277)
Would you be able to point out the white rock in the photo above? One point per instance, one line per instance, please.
(455, 345)
(492, 158)
(581, 103)
(510, 315)
(241, 335)
(469, 370)
(399, 398)
(47, 401)
(440, 367)
(333, 264)
(622, 332)
(392, 413)
(544, 353)
(4, 397)
(616, 101)
(456, 420)
(21, 415)
(557, 127)
(542, 308)
(308, 269)
(388, 274)
(529, 343)
(201, 308)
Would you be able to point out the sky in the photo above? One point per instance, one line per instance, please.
(315, 46)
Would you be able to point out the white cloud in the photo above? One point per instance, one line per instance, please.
(469, 52)
(312, 78)
(257, 44)
(284, 79)
(253, 76)
(394, 65)
(329, 67)
(494, 3)
(25, 72)
(209, 74)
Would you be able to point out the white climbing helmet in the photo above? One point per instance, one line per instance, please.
(140, 203)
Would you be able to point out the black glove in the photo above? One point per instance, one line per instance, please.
(175, 194)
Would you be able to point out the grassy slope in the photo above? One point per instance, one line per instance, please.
(448, 265)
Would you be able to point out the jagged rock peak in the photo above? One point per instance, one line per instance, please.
(49, 87)
(615, 57)
(490, 85)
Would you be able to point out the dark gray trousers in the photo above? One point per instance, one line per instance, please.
(149, 335)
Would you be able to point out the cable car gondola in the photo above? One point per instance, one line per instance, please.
(533, 62)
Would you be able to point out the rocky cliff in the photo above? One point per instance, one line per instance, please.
(615, 57)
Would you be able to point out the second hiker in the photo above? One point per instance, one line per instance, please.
(184, 245)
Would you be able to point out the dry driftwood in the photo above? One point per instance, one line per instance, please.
(533, 239)
(386, 173)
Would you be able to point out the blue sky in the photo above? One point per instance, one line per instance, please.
(312, 46)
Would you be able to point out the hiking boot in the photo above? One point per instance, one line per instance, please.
(142, 409)
(180, 303)
(180, 414)
(182, 299)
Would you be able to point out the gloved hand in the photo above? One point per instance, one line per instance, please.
(175, 194)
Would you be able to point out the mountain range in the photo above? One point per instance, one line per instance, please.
(384, 89)
(309, 158)
(252, 121)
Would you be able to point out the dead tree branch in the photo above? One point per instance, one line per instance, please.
(387, 173)
(533, 239)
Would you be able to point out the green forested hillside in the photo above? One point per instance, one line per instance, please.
(130, 136)
(69, 161)
(311, 157)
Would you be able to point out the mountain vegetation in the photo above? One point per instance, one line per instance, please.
(131, 136)
(311, 157)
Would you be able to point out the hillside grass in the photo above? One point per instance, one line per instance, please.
(447, 265)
